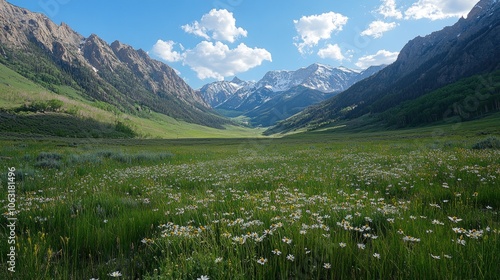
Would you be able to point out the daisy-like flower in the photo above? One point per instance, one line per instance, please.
(218, 260)
(327, 266)
(115, 274)
(287, 240)
(454, 219)
(276, 252)
(461, 241)
(411, 239)
(458, 230)
(342, 245)
(203, 277)
(147, 241)
(435, 257)
(262, 261)
(290, 257)
(437, 222)
(376, 255)
(361, 246)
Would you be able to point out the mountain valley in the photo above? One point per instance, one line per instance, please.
(281, 94)
(450, 74)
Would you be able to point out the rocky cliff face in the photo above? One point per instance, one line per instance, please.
(114, 73)
(471, 40)
(21, 26)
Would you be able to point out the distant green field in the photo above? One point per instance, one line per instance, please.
(412, 204)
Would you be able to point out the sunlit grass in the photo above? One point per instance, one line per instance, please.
(15, 91)
(300, 208)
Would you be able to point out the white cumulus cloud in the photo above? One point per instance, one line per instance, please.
(377, 28)
(439, 9)
(312, 29)
(388, 9)
(381, 57)
(165, 51)
(217, 60)
(217, 25)
(332, 51)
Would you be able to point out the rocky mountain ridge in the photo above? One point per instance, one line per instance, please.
(114, 73)
(217, 93)
(280, 94)
(320, 77)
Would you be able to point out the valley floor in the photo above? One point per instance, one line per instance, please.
(414, 204)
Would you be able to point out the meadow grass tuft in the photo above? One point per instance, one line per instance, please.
(488, 143)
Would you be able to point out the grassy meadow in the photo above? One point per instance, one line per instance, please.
(414, 204)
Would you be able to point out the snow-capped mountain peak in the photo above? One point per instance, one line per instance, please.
(321, 77)
(316, 76)
(218, 92)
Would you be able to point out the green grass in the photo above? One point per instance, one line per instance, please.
(323, 205)
(98, 118)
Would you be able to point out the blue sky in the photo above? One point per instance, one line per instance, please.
(219, 39)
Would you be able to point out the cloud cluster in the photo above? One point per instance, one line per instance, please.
(312, 29)
(388, 9)
(378, 28)
(381, 57)
(217, 60)
(216, 25)
(333, 52)
(439, 9)
(214, 59)
(165, 51)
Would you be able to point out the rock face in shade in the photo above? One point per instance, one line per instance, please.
(467, 48)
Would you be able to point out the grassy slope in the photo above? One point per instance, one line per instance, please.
(16, 90)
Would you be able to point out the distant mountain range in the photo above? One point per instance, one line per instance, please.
(127, 80)
(425, 64)
(281, 94)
